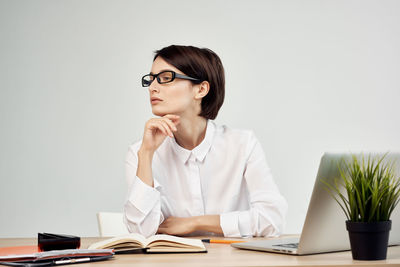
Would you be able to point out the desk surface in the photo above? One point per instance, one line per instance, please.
(224, 255)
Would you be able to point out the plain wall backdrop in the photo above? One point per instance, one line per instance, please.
(305, 76)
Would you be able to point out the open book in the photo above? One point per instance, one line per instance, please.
(153, 244)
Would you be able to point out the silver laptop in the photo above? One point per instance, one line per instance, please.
(324, 229)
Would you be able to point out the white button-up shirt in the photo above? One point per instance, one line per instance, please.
(226, 175)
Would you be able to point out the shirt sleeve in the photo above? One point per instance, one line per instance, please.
(266, 216)
(142, 208)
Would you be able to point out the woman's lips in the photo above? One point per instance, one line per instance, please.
(155, 100)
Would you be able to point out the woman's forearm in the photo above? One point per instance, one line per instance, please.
(144, 171)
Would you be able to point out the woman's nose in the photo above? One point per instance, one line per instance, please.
(154, 86)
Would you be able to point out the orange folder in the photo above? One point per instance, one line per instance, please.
(4, 251)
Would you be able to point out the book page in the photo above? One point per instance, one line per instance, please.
(173, 241)
(132, 240)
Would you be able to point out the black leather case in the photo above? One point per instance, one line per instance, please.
(47, 241)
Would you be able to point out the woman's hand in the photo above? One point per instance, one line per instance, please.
(183, 226)
(156, 130)
(177, 226)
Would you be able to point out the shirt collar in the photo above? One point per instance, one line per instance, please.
(199, 151)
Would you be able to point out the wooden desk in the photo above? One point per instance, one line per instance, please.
(225, 256)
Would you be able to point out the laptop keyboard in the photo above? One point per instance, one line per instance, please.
(290, 245)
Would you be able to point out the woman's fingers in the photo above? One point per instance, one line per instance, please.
(167, 127)
(161, 231)
(156, 129)
(170, 124)
(173, 118)
(156, 125)
(163, 126)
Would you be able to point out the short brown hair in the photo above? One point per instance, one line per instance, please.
(203, 64)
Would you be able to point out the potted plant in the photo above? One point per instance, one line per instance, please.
(367, 190)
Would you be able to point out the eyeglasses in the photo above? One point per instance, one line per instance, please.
(166, 76)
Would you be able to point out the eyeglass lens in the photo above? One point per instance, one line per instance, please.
(163, 77)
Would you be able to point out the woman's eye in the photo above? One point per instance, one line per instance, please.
(165, 78)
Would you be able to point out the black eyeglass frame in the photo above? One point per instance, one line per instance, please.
(174, 75)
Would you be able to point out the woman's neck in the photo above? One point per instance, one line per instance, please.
(191, 132)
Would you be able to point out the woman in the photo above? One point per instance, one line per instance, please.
(188, 175)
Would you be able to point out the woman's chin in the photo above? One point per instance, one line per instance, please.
(161, 113)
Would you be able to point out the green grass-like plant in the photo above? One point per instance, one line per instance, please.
(372, 189)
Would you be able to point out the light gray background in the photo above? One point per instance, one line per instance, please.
(306, 76)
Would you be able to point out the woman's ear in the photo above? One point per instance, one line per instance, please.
(202, 90)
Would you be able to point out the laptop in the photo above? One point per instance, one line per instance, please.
(324, 229)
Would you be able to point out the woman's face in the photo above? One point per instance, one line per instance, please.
(175, 97)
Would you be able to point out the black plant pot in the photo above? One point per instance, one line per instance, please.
(369, 240)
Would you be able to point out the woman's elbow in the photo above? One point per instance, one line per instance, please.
(270, 221)
(144, 225)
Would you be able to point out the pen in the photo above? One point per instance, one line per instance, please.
(79, 260)
(222, 241)
(67, 261)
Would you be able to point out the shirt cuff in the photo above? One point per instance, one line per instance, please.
(229, 223)
(245, 224)
(143, 196)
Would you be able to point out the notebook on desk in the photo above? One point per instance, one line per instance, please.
(32, 256)
(324, 228)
